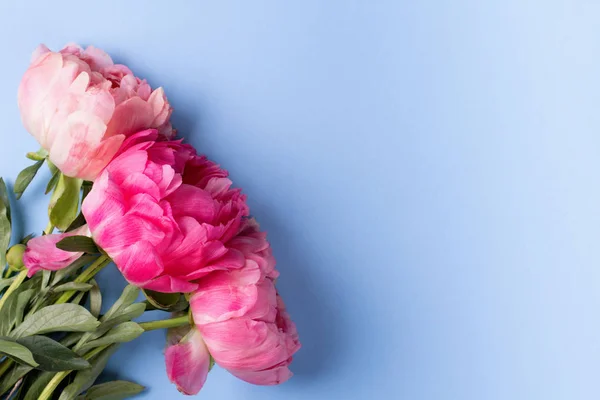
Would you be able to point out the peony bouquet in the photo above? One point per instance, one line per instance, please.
(125, 190)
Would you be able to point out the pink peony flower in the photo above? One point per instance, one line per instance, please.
(164, 214)
(42, 252)
(242, 319)
(80, 107)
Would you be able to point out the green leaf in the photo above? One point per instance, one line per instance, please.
(71, 339)
(122, 310)
(79, 298)
(53, 168)
(27, 238)
(95, 299)
(71, 269)
(129, 313)
(78, 222)
(85, 379)
(39, 384)
(15, 373)
(52, 182)
(40, 155)
(51, 355)
(46, 275)
(25, 177)
(5, 224)
(22, 300)
(17, 352)
(4, 283)
(162, 301)
(115, 390)
(122, 333)
(4, 200)
(129, 295)
(78, 244)
(87, 188)
(81, 287)
(9, 313)
(58, 317)
(31, 283)
(64, 203)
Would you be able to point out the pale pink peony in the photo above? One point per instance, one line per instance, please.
(242, 319)
(42, 252)
(164, 214)
(80, 107)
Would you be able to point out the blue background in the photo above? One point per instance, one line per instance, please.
(427, 172)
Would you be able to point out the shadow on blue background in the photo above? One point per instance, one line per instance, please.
(427, 173)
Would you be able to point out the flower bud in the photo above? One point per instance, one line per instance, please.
(14, 256)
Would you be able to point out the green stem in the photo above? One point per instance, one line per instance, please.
(53, 384)
(96, 351)
(5, 365)
(85, 276)
(13, 286)
(165, 323)
(49, 229)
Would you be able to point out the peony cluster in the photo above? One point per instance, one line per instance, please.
(168, 217)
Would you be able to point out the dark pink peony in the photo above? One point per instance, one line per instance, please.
(164, 214)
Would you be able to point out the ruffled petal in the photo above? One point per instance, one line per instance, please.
(191, 201)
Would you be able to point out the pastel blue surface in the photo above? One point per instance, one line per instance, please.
(428, 173)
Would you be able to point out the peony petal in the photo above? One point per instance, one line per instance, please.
(130, 231)
(77, 138)
(245, 344)
(169, 284)
(139, 183)
(215, 302)
(34, 88)
(100, 157)
(268, 377)
(230, 260)
(139, 262)
(265, 308)
(42, 252)
(161, 109)
(232, 294)
(188, 363)
(218, 186)
(38, 52)
(191, 201)
(148, 137)
(129, 117)
(97, 58)
(126, 164)
(104, 203)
